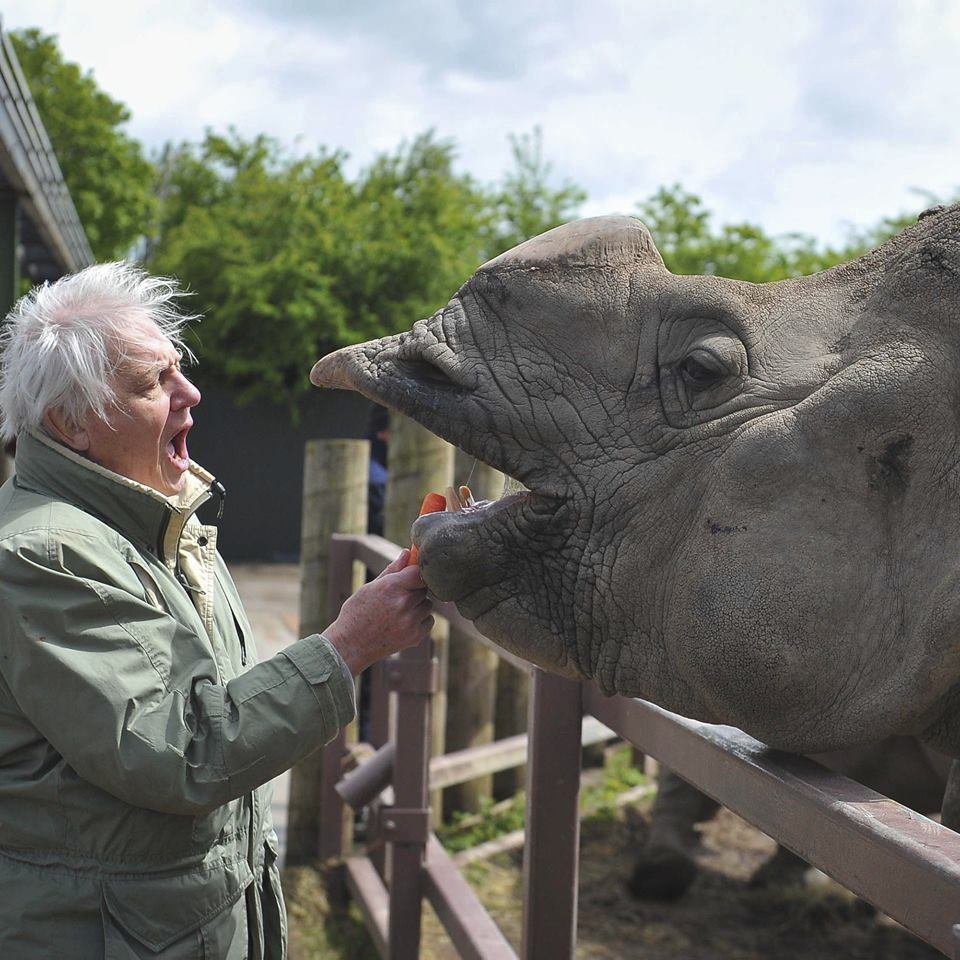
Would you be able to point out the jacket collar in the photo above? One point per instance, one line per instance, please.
(136, 511)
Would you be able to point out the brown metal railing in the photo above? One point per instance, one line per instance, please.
(905, 864)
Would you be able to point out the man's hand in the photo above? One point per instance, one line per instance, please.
(383, 616)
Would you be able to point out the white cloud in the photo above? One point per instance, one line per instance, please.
(802, 116)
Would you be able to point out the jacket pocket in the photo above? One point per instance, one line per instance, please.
(177, 917)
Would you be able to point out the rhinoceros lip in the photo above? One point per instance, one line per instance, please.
(517, 517)
(480, 513)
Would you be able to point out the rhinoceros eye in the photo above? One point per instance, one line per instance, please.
(703, 367)
(700, 369)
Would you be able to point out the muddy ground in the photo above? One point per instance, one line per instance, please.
(721, 918)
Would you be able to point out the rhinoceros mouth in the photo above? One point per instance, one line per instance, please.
(466, 556)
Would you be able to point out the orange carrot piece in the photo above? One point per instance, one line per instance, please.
(432, 503)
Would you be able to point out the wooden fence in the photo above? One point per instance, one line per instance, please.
(905, 864)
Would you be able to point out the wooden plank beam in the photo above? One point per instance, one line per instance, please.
(903, 863)
(470, 927)
(370, 895)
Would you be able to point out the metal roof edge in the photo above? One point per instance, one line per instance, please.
(30, 165)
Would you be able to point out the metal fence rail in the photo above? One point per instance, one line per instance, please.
(904, 863)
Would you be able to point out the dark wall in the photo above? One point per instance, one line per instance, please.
(256, 452)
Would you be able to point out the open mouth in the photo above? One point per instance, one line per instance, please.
(177, 449)
(470, 510)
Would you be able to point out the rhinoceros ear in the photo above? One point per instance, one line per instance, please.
(923, 262)
(593, 242)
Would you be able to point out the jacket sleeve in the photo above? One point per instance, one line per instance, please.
(130, 697)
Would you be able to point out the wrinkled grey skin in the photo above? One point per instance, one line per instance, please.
(745, 498)
(901, 768)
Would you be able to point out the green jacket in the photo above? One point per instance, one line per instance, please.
(137, 730)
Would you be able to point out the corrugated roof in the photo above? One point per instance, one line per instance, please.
(51, 234)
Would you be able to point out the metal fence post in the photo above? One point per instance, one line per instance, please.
(552, 851)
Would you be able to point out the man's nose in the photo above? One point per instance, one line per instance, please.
(187, 394)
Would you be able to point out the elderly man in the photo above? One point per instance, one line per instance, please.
(137, 729)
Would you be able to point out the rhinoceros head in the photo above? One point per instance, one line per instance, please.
(744, 500)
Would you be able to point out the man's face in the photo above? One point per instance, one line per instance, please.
(146, 438)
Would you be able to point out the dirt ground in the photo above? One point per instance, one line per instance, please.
(721, 918)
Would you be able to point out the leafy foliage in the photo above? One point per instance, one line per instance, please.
(690, 243)
(289, 258)
(526, 204)
(109, 178)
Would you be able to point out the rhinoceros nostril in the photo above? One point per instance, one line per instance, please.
(423, 371)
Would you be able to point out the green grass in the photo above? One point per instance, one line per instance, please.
(598, 799)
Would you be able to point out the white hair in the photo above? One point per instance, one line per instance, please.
(64, 342)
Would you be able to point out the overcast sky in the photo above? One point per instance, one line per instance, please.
(801, 115)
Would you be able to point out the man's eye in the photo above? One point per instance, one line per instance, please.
(697, 373)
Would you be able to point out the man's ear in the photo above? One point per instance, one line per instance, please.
(62, 429)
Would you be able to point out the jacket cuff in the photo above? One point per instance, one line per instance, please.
(324, 669)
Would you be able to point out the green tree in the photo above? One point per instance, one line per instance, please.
(422, 229)
(289, 258)
(110, 180)
(525, 203)
(253, 234)
(689, 242)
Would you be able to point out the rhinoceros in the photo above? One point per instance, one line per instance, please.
(743, 501)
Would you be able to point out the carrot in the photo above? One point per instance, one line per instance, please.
(432, 503)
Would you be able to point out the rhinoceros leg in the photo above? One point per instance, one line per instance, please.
(783, 869)
(665, 867)
(899, 767)
(950, 811)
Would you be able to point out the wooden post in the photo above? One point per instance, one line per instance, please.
(420, 462)
(335, 477)
(470, 715)
(334, 818)
(551, 854)
(513, 691)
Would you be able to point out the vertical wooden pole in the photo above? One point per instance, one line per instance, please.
(335, 476)
(335, 818)
(470, 715)
(513, 690)
(552, 851)
(420, 462)
(510, 718)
